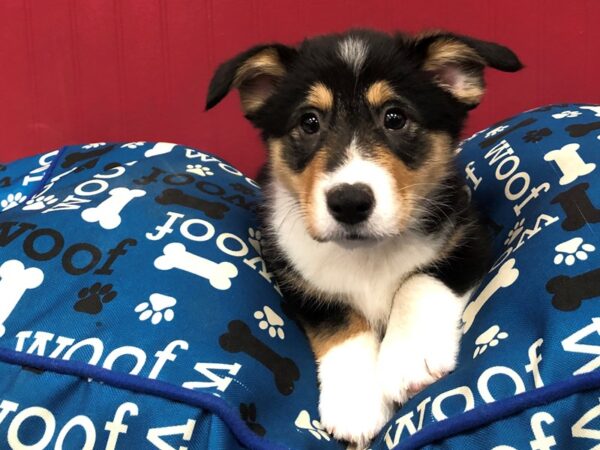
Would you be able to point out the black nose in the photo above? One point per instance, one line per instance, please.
(350, 203)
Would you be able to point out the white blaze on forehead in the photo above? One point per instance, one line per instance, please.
(353, 51)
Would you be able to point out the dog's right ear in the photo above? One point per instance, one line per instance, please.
(255, 73)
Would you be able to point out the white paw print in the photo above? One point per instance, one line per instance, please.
(133, 145)
(12, 200)
(39, 202)
(491, 337)
(516, 231)
(495, 131)
(199, 169)
(255, 237)
(94, 145)
(566, 114)
(314, 427)
(571, 251)
(270, 319)
(158, 307)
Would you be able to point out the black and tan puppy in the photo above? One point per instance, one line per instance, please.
(367, 222)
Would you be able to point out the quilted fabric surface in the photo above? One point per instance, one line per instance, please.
(136, 310)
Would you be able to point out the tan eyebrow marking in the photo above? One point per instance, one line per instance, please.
(379, 93)
(320, 97)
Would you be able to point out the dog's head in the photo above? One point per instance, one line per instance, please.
(361, 127)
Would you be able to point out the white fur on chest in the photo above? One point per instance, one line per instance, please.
(368, 275)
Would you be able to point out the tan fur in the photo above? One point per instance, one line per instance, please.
(263, 63)
(379, 93)
(320, 97)
(448, 52)
(324, 339)
(412, 186)
(301, 184)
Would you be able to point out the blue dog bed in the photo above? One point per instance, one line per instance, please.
(136, 310)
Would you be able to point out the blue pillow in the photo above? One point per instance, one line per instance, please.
(136, 310)
(527, 371)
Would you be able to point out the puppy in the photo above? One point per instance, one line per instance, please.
(367, 222)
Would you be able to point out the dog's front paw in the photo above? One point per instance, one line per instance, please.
(352, 405)
(354, 413)
(405, 370)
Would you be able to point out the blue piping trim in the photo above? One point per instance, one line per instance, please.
(475, 418)
(147, 386)
(492, 412)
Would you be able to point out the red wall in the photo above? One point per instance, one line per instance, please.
(74, 71)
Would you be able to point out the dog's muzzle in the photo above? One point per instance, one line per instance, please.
(350, 204)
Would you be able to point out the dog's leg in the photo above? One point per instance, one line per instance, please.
(351, 403)
(422, 338)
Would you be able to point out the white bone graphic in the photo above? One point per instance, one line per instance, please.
(506, 276)
(107, 213)
(160, 148)
(177, 257)
(570, 163)
(595, 109)
(15, 279)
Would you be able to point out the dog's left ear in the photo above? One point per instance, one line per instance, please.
(457, 62)
(255, 73)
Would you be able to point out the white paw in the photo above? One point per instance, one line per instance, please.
(566, 114)
(12, 200)
(39, 202)
(269, 319)
(93, 145)
(199, 169)
(489, 338)
(351, 403)
(515, 232)
(354, 413)
(405, 369)
(422, 339)
(133, 145)
(572, 250)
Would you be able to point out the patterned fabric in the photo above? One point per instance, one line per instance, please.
(535, 320)
(136, 310)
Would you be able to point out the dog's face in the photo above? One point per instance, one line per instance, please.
(361, 127)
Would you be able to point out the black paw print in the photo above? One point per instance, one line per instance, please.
(248, 415)
(537, 135)
(242, 188)
(91, 298)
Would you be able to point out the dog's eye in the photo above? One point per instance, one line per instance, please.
(394, 119)
(309, 123)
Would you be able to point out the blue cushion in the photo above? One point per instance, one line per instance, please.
(531, 338)
(136, 311)
(136, 268)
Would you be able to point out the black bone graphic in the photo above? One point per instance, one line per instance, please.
(213, 210)
(569, 292)
(239, 338)
(248, 415)
(581, 129)
(74, 158)
(497, 137)
(578, 207)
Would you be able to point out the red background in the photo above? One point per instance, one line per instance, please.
(75, 71)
